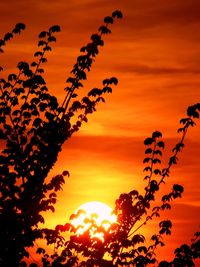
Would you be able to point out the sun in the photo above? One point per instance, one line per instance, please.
(90, 216)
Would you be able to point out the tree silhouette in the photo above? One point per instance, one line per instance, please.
(34, 127)
(122, 244)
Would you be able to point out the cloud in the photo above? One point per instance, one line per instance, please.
(154, 13)
(113, 147)
(184, 213)
(151, 70)
(138, 15)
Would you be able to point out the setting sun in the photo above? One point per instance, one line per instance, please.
(92, 215)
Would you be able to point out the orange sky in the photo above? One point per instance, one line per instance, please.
(154, 52)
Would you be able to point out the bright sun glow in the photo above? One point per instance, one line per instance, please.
(98, 212)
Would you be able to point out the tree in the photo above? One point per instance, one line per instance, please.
(30, 120)
(122, 244)
(34, 127)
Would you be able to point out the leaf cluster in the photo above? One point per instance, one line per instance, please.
(122, 243)
(33, 127)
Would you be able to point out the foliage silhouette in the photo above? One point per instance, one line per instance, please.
(34, 127)
(122, 243)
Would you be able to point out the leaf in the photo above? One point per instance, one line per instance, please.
(100, 99)
(146, 177)
(154, 185)
(12, 77)
(178, 188)
(173, 160)
(80, 75)
(38, 79)
(156, 134)
(20, 26)
(146, 169)
(43, 34)
(26, 114)
(157, 152)
(192, 111)
(148, 141)
(65, 173)
(104, 30)
(52, 39)
(6, 85)
(148, 151)
(114, 80)
(108, 20)
(76, 105)
(38, 54)
(50, 117)
(2, 42)
(165, 226)
(87, 101)
(83, 49)
(43, 60)
(57, 182)
(16, 30)
(138, 239)
(134, 193)
(22, 65)
(107, 89)
(142, 249)
(8, 36)
(71, 80)
(37, 122)
(43, 106)
(16, 112)
(157, 171)
(55, 28)
(50, 207)
(184, 120)
(47, 48)
(166, 206)
(42, 43)
(161, 144)
(94, 92)
(33, 64)
(106, 81)
(67, 226)
(155, 161)
(95, 38)
(43, 88)
(117, 14)
(18, 91)
(7, 111)
(146, 160)
(178, 147)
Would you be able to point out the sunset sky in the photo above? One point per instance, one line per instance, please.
(154, 52)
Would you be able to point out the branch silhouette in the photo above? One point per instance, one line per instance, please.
(33, 127)
(122, 244)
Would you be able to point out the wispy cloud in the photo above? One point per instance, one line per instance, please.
(151, 70)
